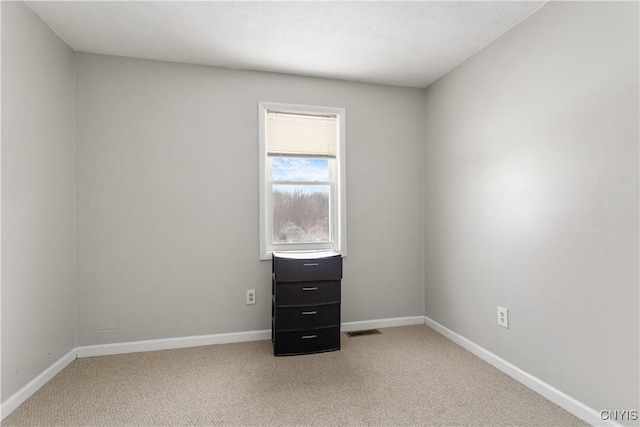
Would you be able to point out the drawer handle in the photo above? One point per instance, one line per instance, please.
(310, 264)
(307, 337)
(315, 288)
(306, 313)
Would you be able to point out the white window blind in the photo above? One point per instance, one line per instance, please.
(301, 135)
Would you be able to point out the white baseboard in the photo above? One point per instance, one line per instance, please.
(382, 323)
(170, 343)
(9, 405)
(556, 396)
(183, 342)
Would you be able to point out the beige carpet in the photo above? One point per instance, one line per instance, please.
(405, 376)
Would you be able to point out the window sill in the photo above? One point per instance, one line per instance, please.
(268, 256)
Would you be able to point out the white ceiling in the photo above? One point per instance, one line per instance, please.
(393, 42)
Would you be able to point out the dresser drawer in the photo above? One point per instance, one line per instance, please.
(301, 342)
(302, 293)
(299, 318)
(310, 269)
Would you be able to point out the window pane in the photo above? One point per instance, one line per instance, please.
(300, 169)
(300, 213)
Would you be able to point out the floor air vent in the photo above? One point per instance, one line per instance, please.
(365, 332)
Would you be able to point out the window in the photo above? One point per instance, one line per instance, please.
(302, 178)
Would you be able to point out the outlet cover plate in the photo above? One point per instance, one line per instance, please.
(503, 317)
(251, 296)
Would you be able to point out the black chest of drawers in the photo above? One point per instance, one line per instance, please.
(305, 310)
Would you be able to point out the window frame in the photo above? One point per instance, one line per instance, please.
(337, 177)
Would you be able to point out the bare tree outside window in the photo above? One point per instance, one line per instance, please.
(301, 215)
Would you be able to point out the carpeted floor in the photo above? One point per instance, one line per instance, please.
(405, 376)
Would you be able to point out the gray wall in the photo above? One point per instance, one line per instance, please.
(532, 199)
(38, 194)
(167, 209)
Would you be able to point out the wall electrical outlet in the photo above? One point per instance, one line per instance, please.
(251, 296)
(503, 317)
